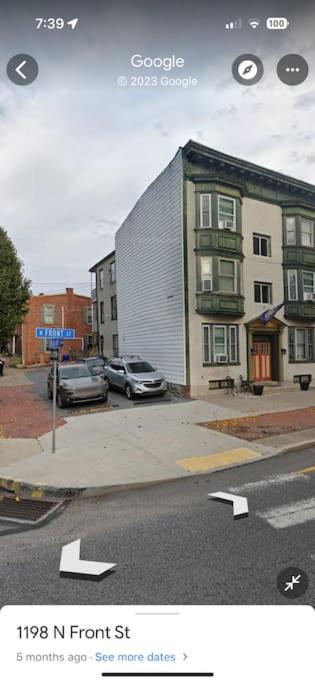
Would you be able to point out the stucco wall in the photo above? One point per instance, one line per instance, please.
(257, 217)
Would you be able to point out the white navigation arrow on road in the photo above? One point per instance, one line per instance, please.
(19, 69)
(240, 504)
(72, 567)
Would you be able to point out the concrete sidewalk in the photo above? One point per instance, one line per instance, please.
(98, 452)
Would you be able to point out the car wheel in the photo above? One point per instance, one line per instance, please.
(50, 395)
(106, 383)
(60, 401)
(104, 398)
(129, 392)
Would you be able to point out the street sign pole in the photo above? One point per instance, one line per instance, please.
(53, 450)
(56, 337)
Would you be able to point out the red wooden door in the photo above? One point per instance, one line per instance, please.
(262, 360)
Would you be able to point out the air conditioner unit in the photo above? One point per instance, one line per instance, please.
(207, 285)
(227, 225)
(221, 358)
(309, 296)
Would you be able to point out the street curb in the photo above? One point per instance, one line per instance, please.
(41, 491)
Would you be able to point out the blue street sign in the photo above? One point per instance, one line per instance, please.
(54, 344)
(54, 333)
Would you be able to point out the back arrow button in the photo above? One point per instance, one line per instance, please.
(22, 69)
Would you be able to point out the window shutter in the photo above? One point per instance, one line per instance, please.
(42, 313)
(291, 331)
(310, 343)
(238, 287)
(215, 273)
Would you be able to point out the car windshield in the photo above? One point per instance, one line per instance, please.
(95, 361)
(74, 372)
(142, 366)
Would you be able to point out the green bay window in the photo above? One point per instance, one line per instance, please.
(205, 210)
(226, 213)
(307, 233)
(206, 273)
(227, 278)
(290, 230)
(218, 275)
(292, 285)
(308, 285)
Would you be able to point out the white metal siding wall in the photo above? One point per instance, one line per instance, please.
(150, 278)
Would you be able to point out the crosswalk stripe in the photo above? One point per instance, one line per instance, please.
(285, 516)
(269, 481)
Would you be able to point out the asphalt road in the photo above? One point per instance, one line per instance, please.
(115, 398)
(174, 545)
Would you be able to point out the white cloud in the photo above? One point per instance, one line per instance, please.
(76, 151)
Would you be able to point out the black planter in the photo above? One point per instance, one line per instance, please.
(304, 386)
(258, 389)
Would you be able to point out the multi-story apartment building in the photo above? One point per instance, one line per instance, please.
(104, 302)
(67, 309)
(211, 244)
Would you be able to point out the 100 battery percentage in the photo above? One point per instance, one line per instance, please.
(277, 23)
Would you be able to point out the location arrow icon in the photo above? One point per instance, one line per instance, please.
(240, 504)
(71, 567)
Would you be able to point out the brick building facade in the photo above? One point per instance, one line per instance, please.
(68, 310)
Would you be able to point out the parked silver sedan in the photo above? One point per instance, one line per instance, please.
(76, 383)
(134, 376)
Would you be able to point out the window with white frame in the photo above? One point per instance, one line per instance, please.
(205, 210)
(227, 279)
(301, 344)
(263, 292)
(261, 245)
(219, 344)
(206, 273)
(290, 230)
(219, 341)
(308, 284)
(101, 276)
(307, 233)
(226, 213)
(49, 314)
(292, 285)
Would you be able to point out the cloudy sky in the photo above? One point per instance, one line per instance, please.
(77, 150)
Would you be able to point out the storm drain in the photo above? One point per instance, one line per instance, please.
(27, 510)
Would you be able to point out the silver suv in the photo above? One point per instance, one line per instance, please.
(134, 376)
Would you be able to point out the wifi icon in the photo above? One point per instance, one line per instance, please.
(254, 23)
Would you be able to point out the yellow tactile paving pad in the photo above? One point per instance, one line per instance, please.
(207, 462)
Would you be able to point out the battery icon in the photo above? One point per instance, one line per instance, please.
(277, 23)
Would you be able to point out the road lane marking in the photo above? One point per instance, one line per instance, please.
(285, 516)
(269, 481)
(205, 463)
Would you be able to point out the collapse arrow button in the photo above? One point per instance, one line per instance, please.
(240, 504)
(71, 567)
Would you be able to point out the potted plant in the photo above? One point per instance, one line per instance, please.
(258, 389)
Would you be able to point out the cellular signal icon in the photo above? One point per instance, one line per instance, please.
(237, 23)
